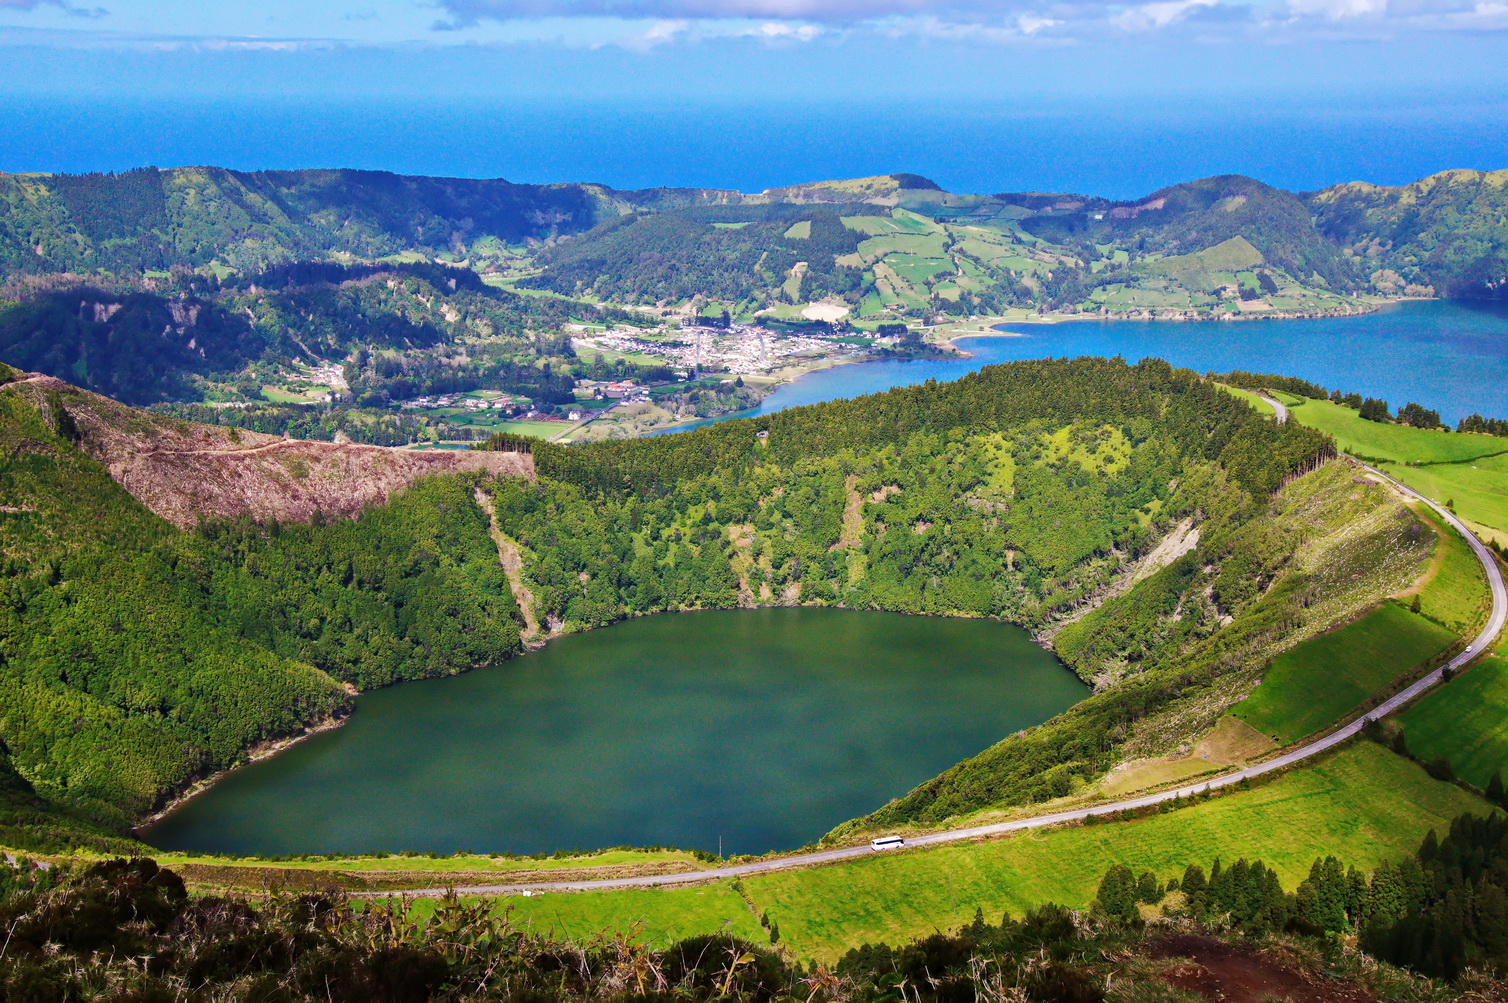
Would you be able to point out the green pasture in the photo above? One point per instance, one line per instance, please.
(1396, 443)
(277, 395)
(1468, 469)
(985, 250)
(1477, 489)
(1319, 681)
(1363, 804)
(928, 245)
(800, 231)
(918, 270)
(537, 429)
(656, 916)
(1465, 721)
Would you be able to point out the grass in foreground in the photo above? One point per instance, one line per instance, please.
(656, 916)
(1317, 682)
(1363, 804)
(1466, 722)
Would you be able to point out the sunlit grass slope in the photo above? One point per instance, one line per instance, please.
(1364, 805)
(1319, 681)
(1469, 470)
(1466, 722)
(1398, 443)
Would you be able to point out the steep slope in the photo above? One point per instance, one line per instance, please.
(1448, 232)
(186, 472)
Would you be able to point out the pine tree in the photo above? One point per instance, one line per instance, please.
(1495, 787)
(1147, 888)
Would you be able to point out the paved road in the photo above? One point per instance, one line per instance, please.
(1482, 641)
(1279, 410)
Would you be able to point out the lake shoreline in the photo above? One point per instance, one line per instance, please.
(269, 749)
(257, 753)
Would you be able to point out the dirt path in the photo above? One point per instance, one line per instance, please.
(512, 560)
(1230, 973)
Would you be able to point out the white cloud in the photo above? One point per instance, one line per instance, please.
(61, 5)
(782, 31)
(1031, 24)
(1161, 14)
(1337, 10)
(660, 33)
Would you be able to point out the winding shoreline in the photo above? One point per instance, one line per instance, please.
(263, 750)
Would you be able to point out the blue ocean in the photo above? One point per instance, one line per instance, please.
(984, 146)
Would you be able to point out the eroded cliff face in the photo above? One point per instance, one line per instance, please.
(185, 472)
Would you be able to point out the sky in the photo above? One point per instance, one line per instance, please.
(1113, 97)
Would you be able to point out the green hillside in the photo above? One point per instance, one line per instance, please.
(1443, 234)
(150, 219)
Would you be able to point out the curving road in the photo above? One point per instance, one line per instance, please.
(1279, 409)
(1483, 640)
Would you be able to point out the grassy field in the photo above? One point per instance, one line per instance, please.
(1398, 443)
(1477, 490)
(1466, 722)
(538, 429)
(655, 916)
(1319, 681)
(1363, 804)
(459, 863)
(1467, 469)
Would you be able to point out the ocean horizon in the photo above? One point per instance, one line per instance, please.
(1100, 148)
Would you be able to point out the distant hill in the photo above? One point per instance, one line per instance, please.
(1194, 216)
(150, 219)
(884, 186)
(1448, 232)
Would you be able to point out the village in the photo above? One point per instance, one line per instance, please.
(739, 349)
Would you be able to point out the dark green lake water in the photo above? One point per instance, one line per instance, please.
(767, 727)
